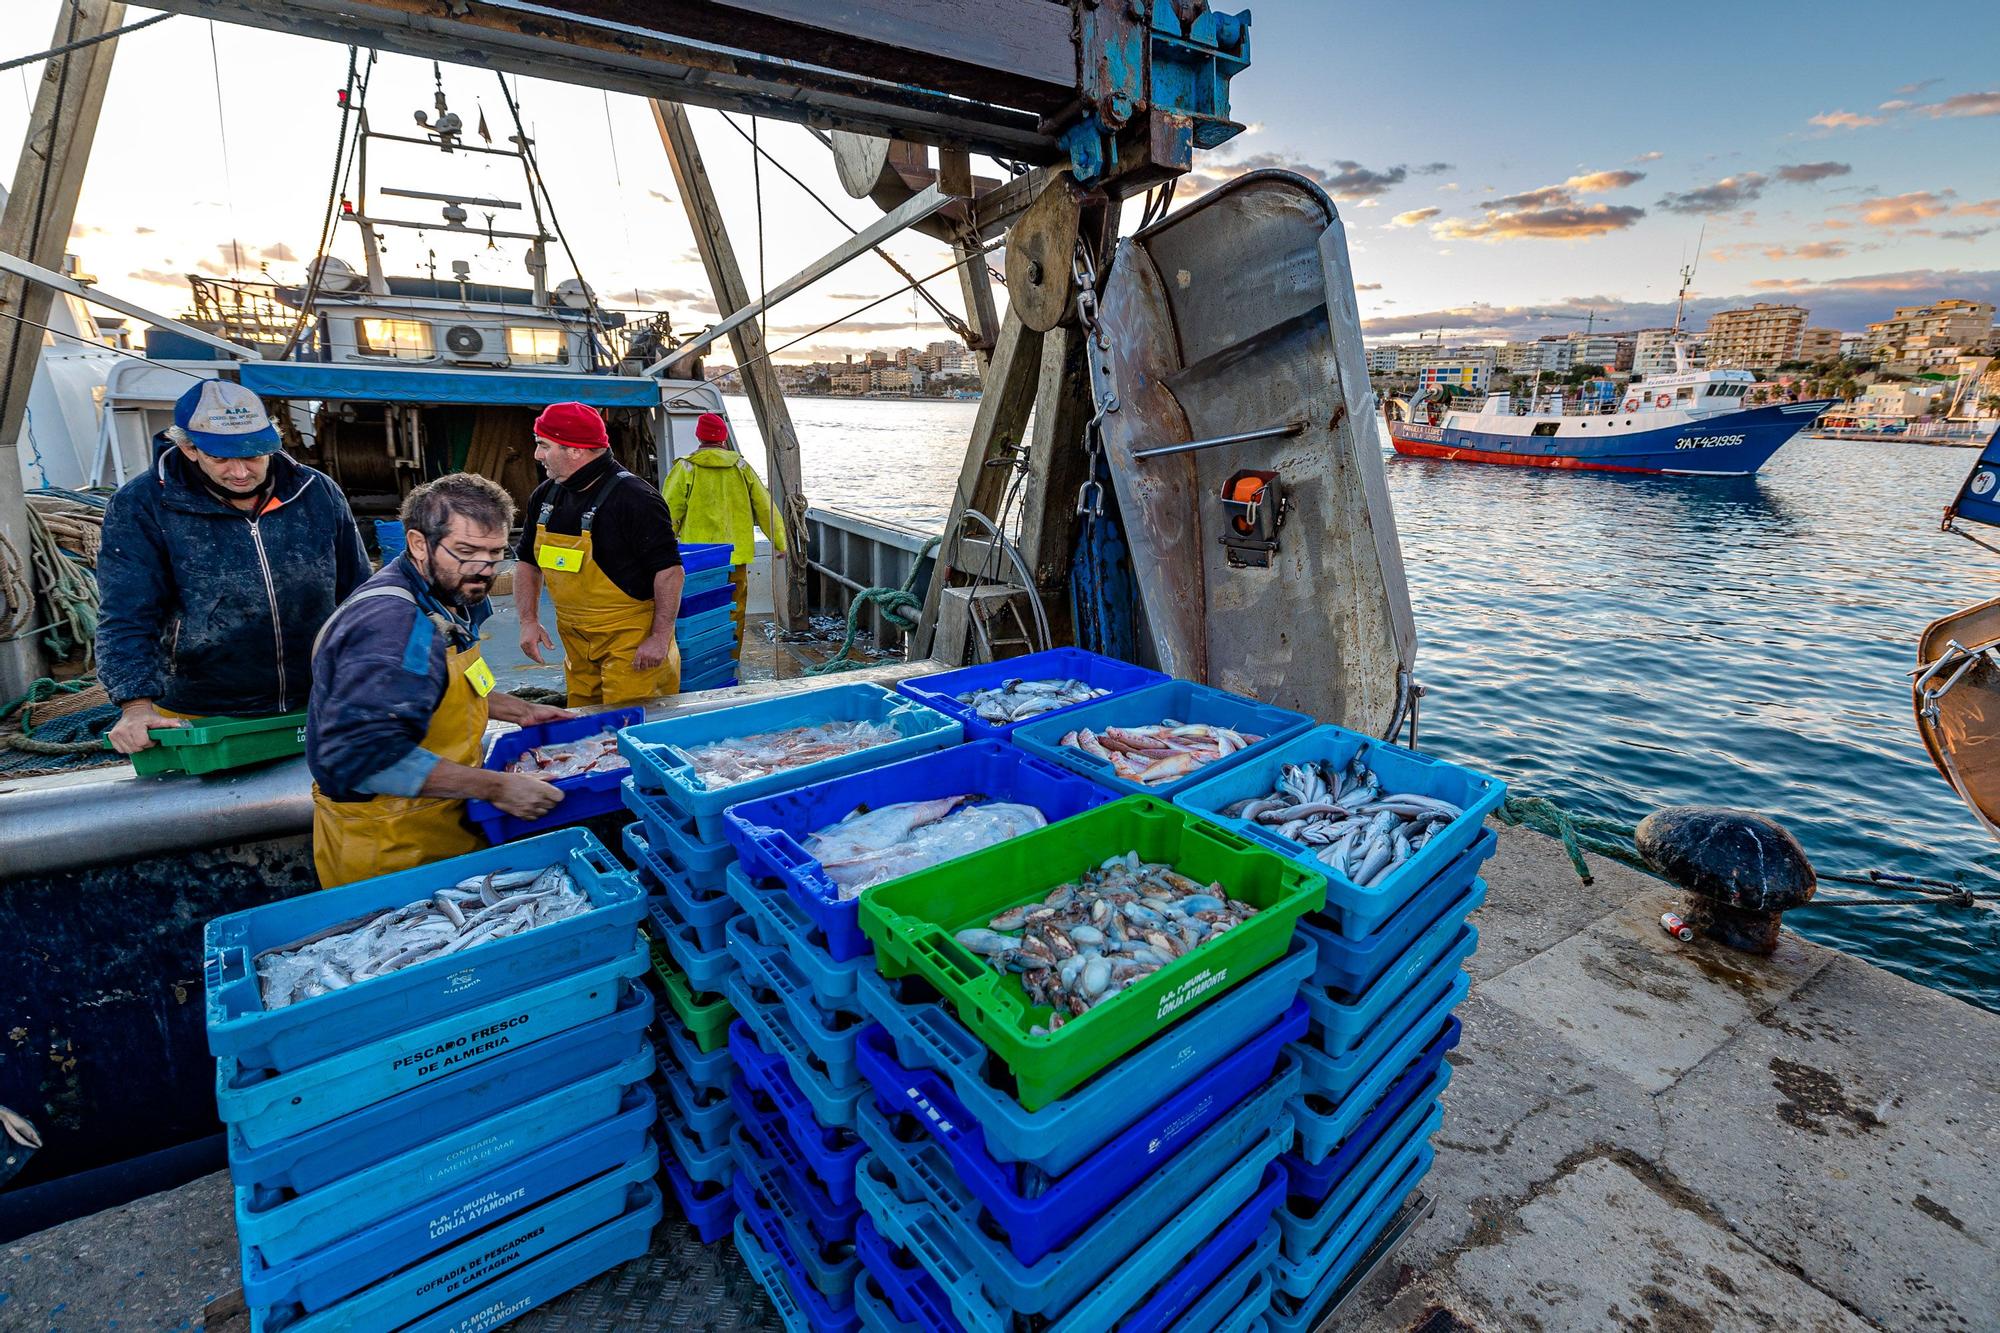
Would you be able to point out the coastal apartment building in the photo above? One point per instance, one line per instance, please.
(1601, 349)
(1757, 337)
(1819, 344)
(1929, 335)
(1467, 369)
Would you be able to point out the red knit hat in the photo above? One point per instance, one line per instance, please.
(577, 425)
(710, 428)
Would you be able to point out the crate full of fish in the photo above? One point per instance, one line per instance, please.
(993, 698)
(1065, 948)
(1037, 1212)
(1055, 1138)
(1161, 739)
(1378, 820)
(702, 762)
(578, 756)
(829, 842)
(1353, 965)
(308, 977)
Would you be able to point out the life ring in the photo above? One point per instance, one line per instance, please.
(1662, 400)
(1631, 404)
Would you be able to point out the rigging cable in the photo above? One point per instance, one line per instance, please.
(757, 188)
(618, 175)
(228, 178)
(79, 44)
(335, 187)
(541, 187)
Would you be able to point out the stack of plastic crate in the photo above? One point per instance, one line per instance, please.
(1388, 973)
(1120, 1170)
(680, 849)
(706, 630)
(447, 1144)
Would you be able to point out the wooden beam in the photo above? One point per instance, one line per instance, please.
(760, 381)
(1004, 405)
(975, 284)
(47, 180)
(1056, 459)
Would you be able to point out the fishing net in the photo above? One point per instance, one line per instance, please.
(57, 727)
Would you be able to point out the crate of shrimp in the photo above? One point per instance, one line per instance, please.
(703, 762)
(1065, 948)
(296, 981)
(830, 842)
(1378, 820)
(1161, 739)
(994, 698)
(578, 755)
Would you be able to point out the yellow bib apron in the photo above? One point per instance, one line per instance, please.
(599, 625)
(362, 839)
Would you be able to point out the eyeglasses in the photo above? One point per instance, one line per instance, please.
(476, 566)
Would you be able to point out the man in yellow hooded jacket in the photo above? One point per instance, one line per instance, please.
(713, 496)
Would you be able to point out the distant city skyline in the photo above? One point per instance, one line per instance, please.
(1499, 176)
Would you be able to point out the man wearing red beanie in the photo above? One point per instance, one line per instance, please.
(601, 540)
(713, 496)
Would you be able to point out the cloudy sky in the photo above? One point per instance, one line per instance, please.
(1497, 168)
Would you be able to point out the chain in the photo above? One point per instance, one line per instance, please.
(1096, 347)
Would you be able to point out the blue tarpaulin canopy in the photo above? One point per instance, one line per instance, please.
(1979, 498)
(411, 384)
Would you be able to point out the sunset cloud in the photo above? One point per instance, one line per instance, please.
(1653, 156)
(1563, 222)
(1414, 216)
(1966, 104)
(1809, 250)
(1808, 173)
(1730, 192)
(1343, 180)
(1843, 120)
(1985, 102)
(1904, 210)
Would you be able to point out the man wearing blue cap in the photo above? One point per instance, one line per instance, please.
(217, 570)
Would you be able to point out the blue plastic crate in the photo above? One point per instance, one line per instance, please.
(709, 1208)
(1350, 965)
(707, 1115)
(368, 1280)
(1357, 912)
(770, 833)
(705, 968)
(1308, 1246)
(301, 1163)
(1340, 1022)
(548, 1277)
(707, 600)
(721, 676)
(1251, 1135)
(827, 1033)
(1146, 1240)
(913, 1296)
(778, 922)
(704, 1163)
(672, 841)
(1063, 1133)
(1206, 1266)
(873, 1310)
(446, 1183)
(260, 1111)
(699, 581)
(656, 748)
(705, 1070)
(828, 1267)
(703, 912)
(1337, 1054)
(1425, 1079)
(765, 1126)
(771, 1028)
(1327, 1116)
(941, 691)
(1290, 1314)
(691, 627)
(1182, 700)
(759, 1245)
(1037, 1213)
(585, 796)
(255, 1039)
(701, 557)
(1239, 1297)
(709, 654)
(829, 1155)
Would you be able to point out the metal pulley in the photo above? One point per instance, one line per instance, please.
(1254, 502)
(1040, 249)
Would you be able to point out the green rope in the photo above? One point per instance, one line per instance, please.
(93, 721)
(1578, 833)
(900, 605)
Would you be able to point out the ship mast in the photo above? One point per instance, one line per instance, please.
(1680, 306)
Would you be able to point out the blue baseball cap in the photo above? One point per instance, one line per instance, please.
(224, 419)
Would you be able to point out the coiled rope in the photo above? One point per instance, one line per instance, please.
(900, 605)
(54, 592)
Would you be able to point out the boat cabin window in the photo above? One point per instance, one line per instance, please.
(397, 339)
(542, 347)
(1683, 395)
(1546, 428)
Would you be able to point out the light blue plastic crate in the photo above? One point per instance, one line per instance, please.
(1341, 1022)
(704, 911)
(778, 922)
(1350, 965)
(671, 839)
(705, 634)
(544, 1279)
(912, 1295)
(260, 1111)
(704, 1163)
(828, 1155)
(707, 1116)
(756, 1240)
(704, 622)
(769, 1027)
(1183, 701)
(713, 654)
(1357, 911)
(1327, 1115)
(704, 1069)
(361, 1283)
(1239, 1298)
(257, 1040)
(941, 690)
(1425, 1079)
(1288, 1314)
(705, 968)
(1066, 1131)
(761, 1122)
(447, 1175)
(1307, 1236)
(827, 1034)
(657, 749)
(1384, 1181)
(1149, 1239)
(1340, 1059)
(1204, 1185)
(827, 1267)
(713, 675)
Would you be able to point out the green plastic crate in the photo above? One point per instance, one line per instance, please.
(912, 922)
(217, 743)
(706, 1017)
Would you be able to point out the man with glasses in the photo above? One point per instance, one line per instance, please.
(602, 543)
(218, 568)
(401, 696)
